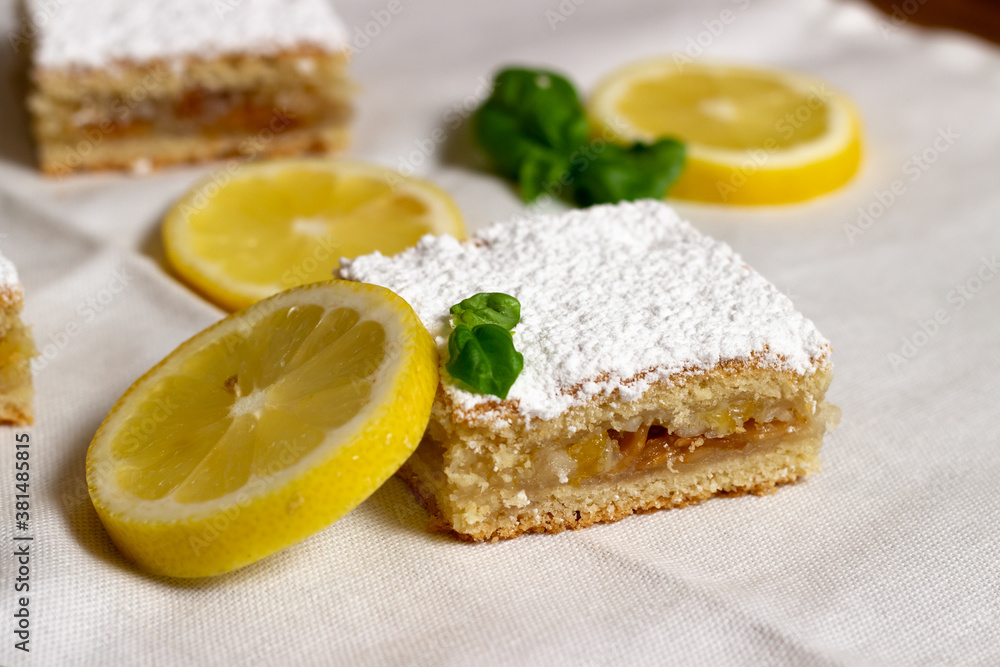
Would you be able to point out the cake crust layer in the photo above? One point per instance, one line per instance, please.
(576, 510)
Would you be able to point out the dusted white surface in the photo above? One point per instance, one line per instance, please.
(888, 557)
(99, 33)
(613, 298)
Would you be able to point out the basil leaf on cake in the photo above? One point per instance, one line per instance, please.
(481, 354)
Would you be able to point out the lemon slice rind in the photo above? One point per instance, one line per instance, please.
(212, 280)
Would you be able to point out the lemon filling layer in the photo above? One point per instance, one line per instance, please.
(16, 351)
(211, 113)
(612, 453)
(476, 484)
(17, 348)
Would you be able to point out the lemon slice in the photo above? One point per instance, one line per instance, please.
(754, 136)
(263, 429)
(243, 236)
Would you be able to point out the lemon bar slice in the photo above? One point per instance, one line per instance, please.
(659, 370)
(16, 350)
(119, 84)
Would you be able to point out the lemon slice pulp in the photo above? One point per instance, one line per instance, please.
(263, 429)
(754, 136)
(241, 237)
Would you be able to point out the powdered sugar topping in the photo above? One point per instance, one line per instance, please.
(98, 33)
(612, 298)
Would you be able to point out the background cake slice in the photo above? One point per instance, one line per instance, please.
(659, 370)
(16, 351)
(135, 85)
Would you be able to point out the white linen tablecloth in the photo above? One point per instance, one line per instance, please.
(890, 556)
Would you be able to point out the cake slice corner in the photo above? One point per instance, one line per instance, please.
(16, 351)
(140, 85)
(659, 370)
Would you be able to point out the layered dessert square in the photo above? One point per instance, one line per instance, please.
(119, 84)
(659, 370)
(16, 351)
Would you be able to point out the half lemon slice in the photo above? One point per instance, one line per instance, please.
(241, 236)
(263, 429)
(754, 136)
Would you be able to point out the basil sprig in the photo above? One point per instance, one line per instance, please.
(481, 354)
(530, 126)
(640, 171)
(534, 130)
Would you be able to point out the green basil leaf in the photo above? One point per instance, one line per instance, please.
(529, 126)
(541, 171)
(641, 171)
(487, 308)
(483, 359)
